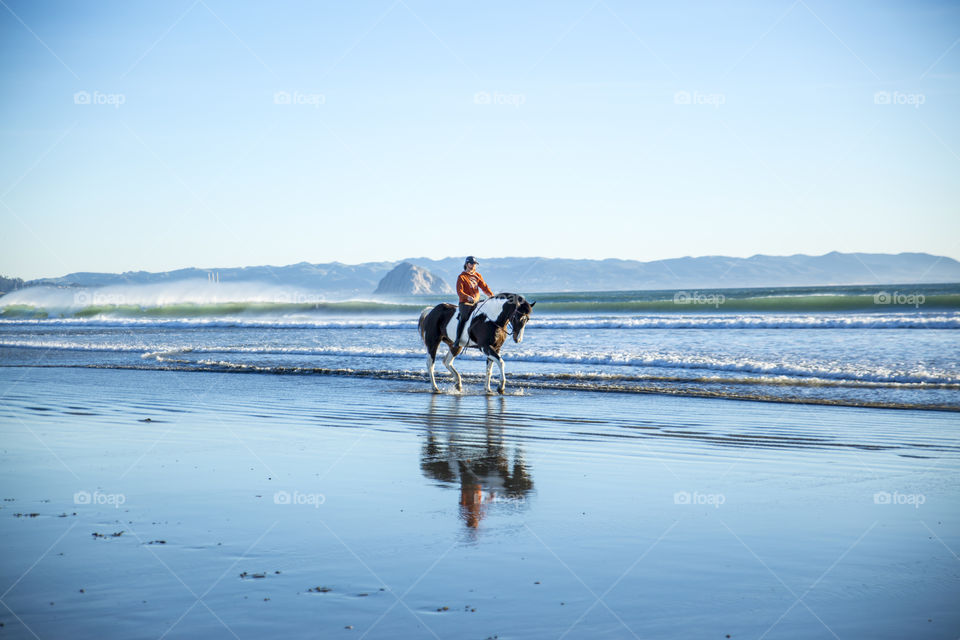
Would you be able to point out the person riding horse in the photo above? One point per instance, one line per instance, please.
(469, 285)
(488, 331)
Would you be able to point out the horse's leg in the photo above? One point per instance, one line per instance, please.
(433, 379)
(489, 370)
(503, 375)
(448, 362)
(431, 359)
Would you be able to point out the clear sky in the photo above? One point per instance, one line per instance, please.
(160, 135)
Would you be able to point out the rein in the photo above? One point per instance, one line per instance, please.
(509, 320)
(513, 330)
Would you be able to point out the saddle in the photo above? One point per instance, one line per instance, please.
(466, 328)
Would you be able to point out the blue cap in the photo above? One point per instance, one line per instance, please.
(470, 259)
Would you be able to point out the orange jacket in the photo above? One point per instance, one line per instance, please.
(468, 285)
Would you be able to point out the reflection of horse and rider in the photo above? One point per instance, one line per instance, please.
(483, 467)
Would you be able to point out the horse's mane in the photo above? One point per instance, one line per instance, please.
(515, 298)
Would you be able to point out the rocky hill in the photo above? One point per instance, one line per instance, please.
(408, 279)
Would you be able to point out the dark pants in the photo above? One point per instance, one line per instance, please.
(466, 308)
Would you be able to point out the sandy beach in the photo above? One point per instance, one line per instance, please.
(158, 504)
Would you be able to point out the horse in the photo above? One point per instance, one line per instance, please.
(486, 329)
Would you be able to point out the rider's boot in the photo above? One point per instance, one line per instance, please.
(459, 335)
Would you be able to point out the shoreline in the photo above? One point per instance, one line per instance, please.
(515, 382)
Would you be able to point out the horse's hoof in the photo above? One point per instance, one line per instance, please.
(501, 390)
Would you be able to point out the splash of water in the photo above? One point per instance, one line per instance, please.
(183, 292)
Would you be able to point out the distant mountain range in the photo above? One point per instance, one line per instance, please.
(559, 274)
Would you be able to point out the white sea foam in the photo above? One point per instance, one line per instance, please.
(653, 322)
(758, 321)
(627, 359)
(181, 292)
(289, 322)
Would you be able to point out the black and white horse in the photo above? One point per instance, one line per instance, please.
(486, 329)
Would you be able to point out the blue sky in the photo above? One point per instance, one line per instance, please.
(160, 135)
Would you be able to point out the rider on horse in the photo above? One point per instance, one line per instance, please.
(469, 285)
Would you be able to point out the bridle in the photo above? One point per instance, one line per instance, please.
(510, 320)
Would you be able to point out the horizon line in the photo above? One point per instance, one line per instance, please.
(531, 257)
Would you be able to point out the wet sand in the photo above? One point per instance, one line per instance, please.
(156, 504)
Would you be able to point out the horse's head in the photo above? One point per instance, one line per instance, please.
(521, 314)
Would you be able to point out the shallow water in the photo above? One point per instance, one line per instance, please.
(544, 513)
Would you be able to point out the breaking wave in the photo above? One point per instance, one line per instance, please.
(651, 322)
(198, 299)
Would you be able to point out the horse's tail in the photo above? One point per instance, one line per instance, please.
(423, 317)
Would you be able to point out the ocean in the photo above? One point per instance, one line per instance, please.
(873, 346)
(233, 461)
